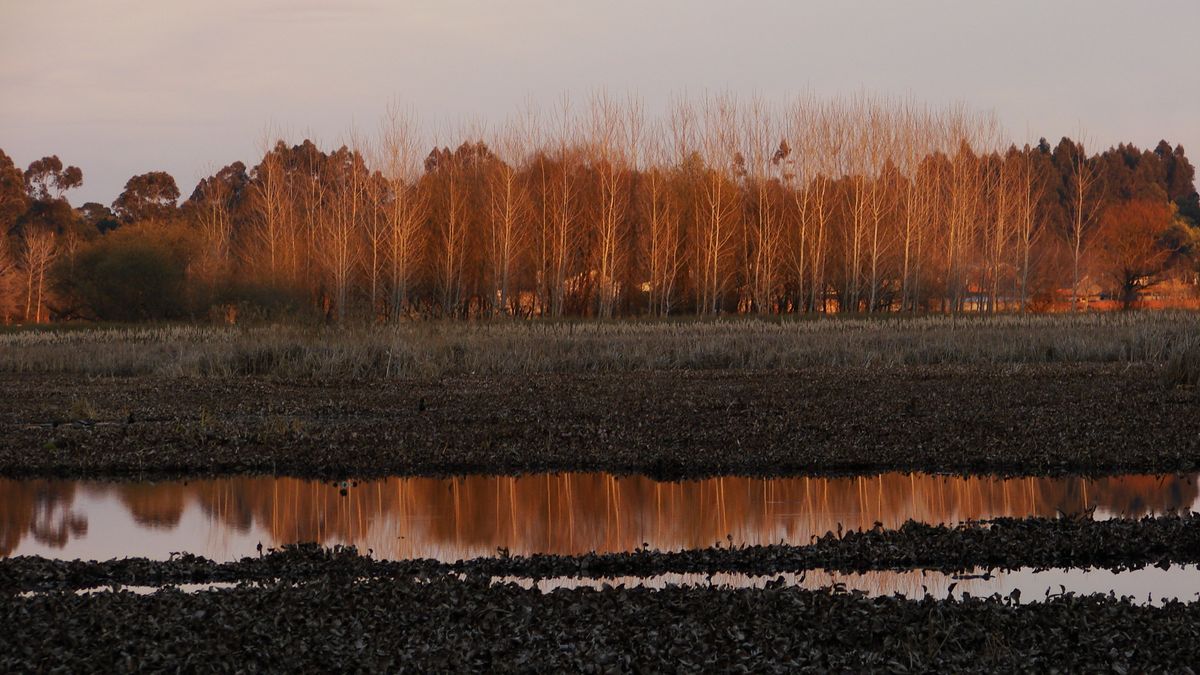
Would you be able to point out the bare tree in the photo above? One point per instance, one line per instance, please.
(818, 132)
(660, 239)
(610, 156)
(1082, 208)
(272, 210)
(719, 201)
(856, 165)
(1001, 190)
(405, 206)
(916, 130)
(40, 247)
(1031, 185)
(561, 217)
(455, 176)
(214, 217)
(508, 216)
(376, 233)
(341, 231)
(764, 231)
(881, 187)
(964, 195)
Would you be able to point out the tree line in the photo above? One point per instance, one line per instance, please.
(850, 205)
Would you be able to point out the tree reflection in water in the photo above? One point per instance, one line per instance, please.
(452, 518)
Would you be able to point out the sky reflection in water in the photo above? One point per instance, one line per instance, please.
(453, 518)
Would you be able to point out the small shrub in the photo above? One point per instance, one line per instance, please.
(83, 409)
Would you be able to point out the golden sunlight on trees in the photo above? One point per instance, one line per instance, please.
(1130, 251)
(147, 197)
(596, 208)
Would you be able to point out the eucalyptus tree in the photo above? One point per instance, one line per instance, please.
(148, 197)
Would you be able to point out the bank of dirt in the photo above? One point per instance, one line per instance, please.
(1089, 418)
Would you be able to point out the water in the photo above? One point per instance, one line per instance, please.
(1149, 585)
(457, 518)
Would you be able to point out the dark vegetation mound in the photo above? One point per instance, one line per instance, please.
(446, 624)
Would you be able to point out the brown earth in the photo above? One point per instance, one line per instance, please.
(1010, 419)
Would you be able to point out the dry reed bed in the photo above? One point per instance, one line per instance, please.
(498, 348)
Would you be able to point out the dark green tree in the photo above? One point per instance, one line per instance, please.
(13, 200)
(1180, 179)
(148, 197)
(132, 274)
(47, 178)
(98, 216)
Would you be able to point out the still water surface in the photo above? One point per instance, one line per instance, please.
(457, 518)
(1147, 586)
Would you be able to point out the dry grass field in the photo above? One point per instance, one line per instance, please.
(435, 349)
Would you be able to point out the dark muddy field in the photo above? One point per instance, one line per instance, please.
(1017, 419)
(447, 624)
(308, 607)
(312, 608)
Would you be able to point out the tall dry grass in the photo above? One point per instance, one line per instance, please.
(432, 349)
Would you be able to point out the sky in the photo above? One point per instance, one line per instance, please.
(123, 87)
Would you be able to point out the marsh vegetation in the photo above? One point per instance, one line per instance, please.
(415, 350)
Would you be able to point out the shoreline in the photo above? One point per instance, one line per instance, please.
(1001, 544)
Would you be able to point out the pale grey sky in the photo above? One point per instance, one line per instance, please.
(127, 86)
